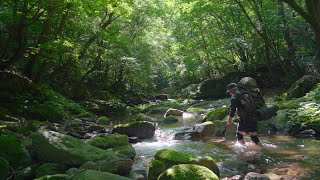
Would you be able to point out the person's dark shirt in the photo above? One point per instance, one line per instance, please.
(235, 104)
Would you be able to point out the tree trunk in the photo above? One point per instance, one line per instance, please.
(289, 41)
(20, 39)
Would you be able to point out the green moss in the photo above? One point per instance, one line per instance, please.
(126, 150)
(103, 120)
(14, 151)
(143, 117)
(155, 168)
(188, 171)
(110, 141)
(172, 157)
(196, 110)
(50, 169)
(216, 114)
(43, 103)
(132, 124)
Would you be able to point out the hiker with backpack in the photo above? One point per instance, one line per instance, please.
(240, 103)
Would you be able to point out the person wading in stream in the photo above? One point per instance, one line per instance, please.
(247, 124)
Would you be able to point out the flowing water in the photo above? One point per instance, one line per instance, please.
(281, 155)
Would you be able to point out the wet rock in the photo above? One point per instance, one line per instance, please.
(205, 129)
(216, 114)
(134, 140)
(116, 165)
(155, 168)
(54, 147)
(140, 129)
(188, 171)
(173, 112)
(109, 141)
(256, 176)
(302, 86)
(198, 131)
(169, 119)
(126, 150)
(143, 117)
(216, 88)
(172, 157)
(235, 166)
(94, 174)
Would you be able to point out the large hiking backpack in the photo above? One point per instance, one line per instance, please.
(252, 100)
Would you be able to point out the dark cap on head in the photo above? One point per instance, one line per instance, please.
(231, 86)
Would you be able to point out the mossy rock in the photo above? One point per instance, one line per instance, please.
(172, 157)
(155, 168)
(97, 128)
(208, 162)
(156, 110)
(97, 175)
(126, 150)
(170, 119)
(196, 110)
(12, 149)
(188, 171)
(140, 129)
(109, 141)
(117, 166)
(216, 114)
(302, 86)
(4, 168)
(143, 117)
(54, 177)
(50, 169)
(27, 173)
(103, 120)
(50, 146)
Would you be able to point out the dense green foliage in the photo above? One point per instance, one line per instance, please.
(108, 49)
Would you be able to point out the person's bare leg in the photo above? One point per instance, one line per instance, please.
(240, 135)
(255, 138)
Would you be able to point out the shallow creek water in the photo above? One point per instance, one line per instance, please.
(282, 156)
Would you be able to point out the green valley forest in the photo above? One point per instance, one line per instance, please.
(136, 89)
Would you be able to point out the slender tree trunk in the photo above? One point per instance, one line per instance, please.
(289, 41)
(20, 39)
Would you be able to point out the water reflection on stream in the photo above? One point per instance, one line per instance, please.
(281, 156)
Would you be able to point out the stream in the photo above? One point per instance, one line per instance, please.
(281, 156)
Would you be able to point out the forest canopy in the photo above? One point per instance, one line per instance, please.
(142, 46)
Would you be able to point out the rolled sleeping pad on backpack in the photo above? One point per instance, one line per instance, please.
(266, 112)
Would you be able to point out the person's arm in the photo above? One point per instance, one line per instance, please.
(232, 111)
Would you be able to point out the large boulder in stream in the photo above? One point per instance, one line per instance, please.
(172, 157)
(198, 131)
(140, 129)
(54, 147)
(302, 86)
(216, 114)
(173, 112)
(188, 171)
(216, 88)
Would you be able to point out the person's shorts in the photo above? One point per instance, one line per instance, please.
(247, 125)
